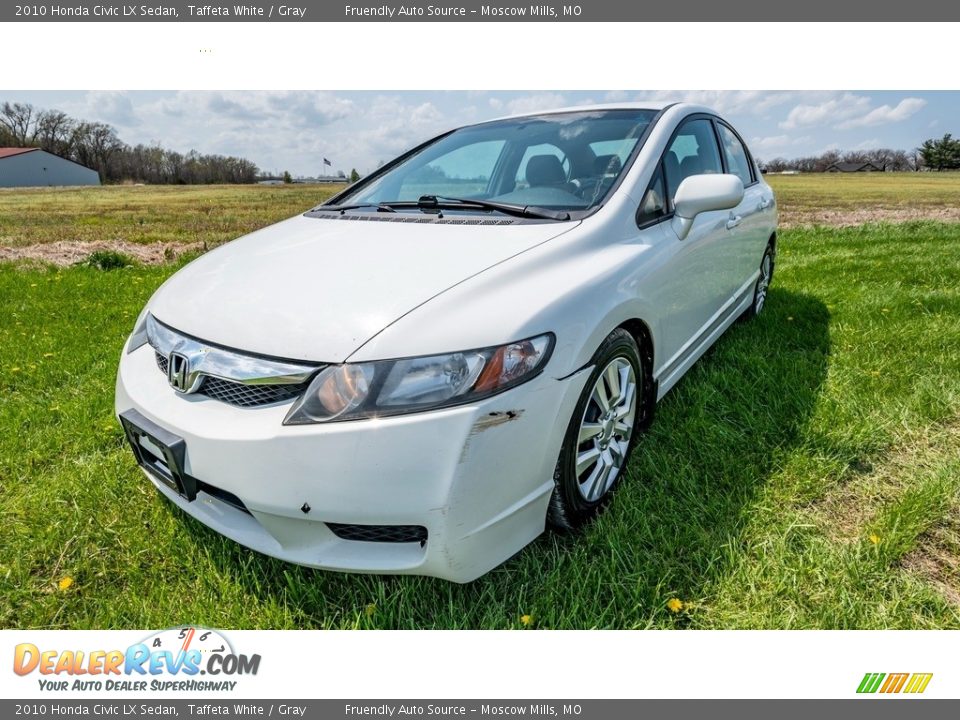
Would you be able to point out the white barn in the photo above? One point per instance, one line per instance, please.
(33, 167)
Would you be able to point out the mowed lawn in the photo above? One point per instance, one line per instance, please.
(806, 473)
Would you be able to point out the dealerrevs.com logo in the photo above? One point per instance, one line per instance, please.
(179, 659)
(891, 683)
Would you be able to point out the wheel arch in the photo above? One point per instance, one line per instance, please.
(643, 336)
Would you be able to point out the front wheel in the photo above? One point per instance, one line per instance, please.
(600, 435)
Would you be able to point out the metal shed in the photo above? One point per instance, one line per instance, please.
(33, 167)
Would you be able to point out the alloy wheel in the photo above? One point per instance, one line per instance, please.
(763, 282)
(606, 428)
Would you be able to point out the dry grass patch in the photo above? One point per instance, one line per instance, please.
(63, 253)
(791, 216)
(870, 484)
(937, 558)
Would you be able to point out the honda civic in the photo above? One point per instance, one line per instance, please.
(456, 352)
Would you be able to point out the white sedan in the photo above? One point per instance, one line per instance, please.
(457, 351)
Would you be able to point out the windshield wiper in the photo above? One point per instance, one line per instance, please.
(437, 202)
(381, 207)
(531, 211)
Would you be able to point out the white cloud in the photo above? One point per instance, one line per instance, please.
(535, 102)
(753, 102)
(827, 111)
(771, 142)
(849, 110)
(885, 114)
(778, 143)
(111, 107)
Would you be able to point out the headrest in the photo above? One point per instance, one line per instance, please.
(607, 164)
(545, 170)
(691, 165)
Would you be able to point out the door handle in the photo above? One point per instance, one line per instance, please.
(764, 203)
(733, 221)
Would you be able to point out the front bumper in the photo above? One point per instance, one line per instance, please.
(477, 477)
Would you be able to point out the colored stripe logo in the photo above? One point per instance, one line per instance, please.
(913, 683)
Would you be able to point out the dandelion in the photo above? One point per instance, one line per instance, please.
(527, 620)
(370, 610)
(674, 605)
(874, 538)
(65, 583)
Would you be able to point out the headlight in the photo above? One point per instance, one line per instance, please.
(138, 337)
(392, 387)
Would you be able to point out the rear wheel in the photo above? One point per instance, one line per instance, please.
(763, 283)
(600, 435)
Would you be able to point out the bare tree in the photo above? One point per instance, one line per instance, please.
(94, 145)
(17, 118)
(53, 132)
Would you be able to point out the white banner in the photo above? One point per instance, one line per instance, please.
(457, 664)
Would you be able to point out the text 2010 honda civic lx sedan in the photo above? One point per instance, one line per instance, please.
(422, 373)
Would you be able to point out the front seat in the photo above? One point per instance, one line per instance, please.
(690, 165)
(546, 171)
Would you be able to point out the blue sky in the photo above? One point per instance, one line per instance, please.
(293, 130)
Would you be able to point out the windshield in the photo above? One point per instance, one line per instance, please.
(562, 161)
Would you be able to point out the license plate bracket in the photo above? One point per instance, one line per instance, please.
(159, 452)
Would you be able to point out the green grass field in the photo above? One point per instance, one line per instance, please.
(806, 473)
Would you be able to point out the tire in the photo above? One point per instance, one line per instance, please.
(767, 264)
(608, 436)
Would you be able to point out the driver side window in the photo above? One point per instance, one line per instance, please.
(693, 151)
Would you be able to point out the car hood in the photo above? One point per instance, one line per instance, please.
(317, 289)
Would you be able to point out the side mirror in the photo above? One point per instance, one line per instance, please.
(703, 193)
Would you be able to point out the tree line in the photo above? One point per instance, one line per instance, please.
(933, 154)
(97, 146)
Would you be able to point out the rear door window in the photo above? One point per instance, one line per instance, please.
(738, 162)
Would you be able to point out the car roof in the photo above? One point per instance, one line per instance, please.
(656, 106)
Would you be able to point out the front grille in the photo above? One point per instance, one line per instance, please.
(248, 395)
(380, 533)
(240, 394)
